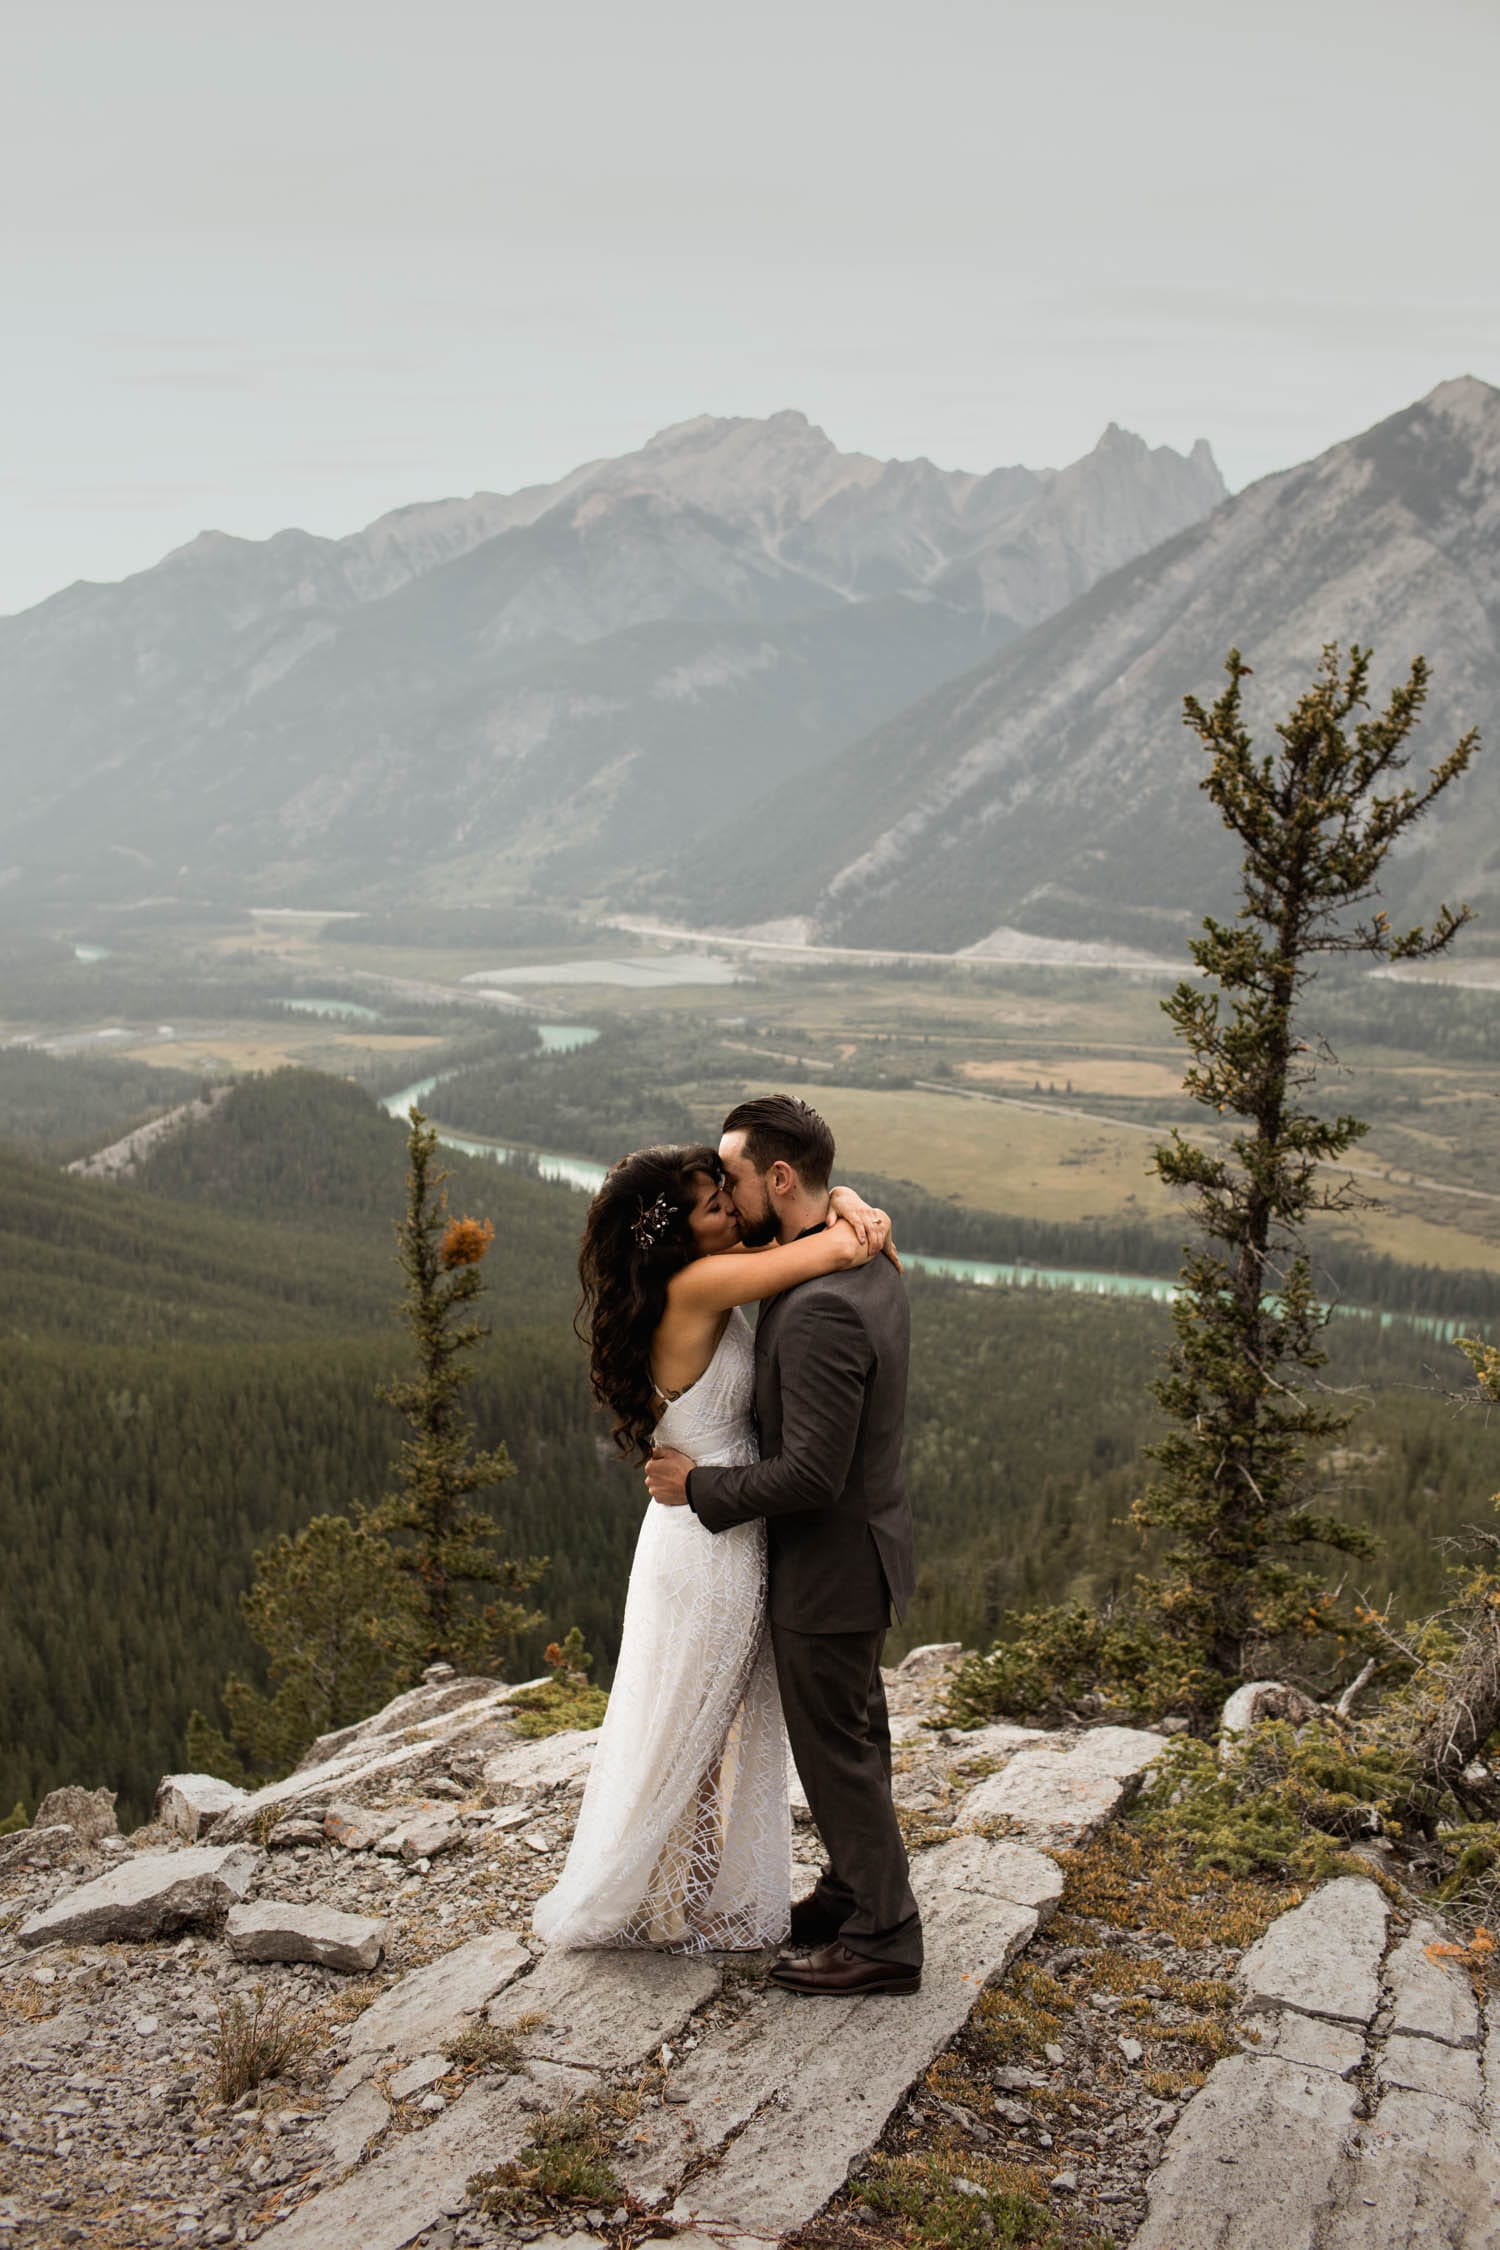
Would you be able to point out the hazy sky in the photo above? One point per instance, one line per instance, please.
(278, 263)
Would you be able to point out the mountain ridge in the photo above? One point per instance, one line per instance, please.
(1052, 789)
(268, 715)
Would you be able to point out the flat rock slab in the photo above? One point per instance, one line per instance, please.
(283, 1930)
(521, 1769)
(1001, 1739)
(1060, 1796)
(1428, 2066)
(1254, 2160)
(1311, 2040)
(349, 2128)
(431, 2004)
(1323, 1958)
(777, 2092)
(150, 1896)
(1425, 2178)
(1431, 1998)
(418, 2076)
(422, 2178)
(605, 2010)
(610, 2010)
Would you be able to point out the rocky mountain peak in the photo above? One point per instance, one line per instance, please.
(1065, 752)
(1464, 398)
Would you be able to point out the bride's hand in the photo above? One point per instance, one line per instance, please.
(872, 1227)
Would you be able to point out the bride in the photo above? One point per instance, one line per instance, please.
(683, 1838)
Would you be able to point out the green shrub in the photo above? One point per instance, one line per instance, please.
(926, 2193)
(1067, 1661)
(1284, 1800)
(568, 2161)
(565, 1701)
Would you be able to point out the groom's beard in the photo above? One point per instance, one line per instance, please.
(757, 1234)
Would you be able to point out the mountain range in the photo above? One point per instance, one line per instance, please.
(1053, 791)
(547, 690)
(740, 678)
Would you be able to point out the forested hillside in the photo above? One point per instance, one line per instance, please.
(191, 1365)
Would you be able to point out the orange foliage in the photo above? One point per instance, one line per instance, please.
(465, 1242)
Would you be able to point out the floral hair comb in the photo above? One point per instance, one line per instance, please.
(649, 1227)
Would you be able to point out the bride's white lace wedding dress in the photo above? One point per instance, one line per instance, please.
(683, 1838)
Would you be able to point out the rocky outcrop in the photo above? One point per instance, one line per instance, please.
(448, 1721)
(1361, 2120)
(151, 1896)
(284, 1930)
(437, 2030)
(90, 1813)
(188, 1804)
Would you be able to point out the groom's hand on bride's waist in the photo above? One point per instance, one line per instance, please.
(667, 1475)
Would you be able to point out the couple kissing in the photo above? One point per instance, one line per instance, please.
(776, 1550)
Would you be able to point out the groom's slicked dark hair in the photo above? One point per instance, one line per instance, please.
(779, 1129)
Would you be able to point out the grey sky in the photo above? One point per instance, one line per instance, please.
(301, 263)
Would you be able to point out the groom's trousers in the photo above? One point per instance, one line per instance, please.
(833, 1700)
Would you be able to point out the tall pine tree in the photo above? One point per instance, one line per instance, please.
(1317, 819)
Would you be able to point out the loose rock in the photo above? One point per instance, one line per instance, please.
(90, 1813)
(154, 1895)
(277, 1930)
(188, 1804)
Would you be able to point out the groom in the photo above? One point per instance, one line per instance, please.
(830, 1395)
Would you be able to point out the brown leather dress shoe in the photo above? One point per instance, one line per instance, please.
(838, 1973)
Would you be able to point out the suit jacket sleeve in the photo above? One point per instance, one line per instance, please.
(824, 1356)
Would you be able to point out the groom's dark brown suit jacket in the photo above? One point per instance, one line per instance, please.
(830, 1400)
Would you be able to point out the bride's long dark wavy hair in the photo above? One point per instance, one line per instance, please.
(635, 1238)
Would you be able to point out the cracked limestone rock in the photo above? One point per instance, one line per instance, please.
(1253, 2160)
(285, 1930)
(1431, 1997)
(43, 1844)
(439, 1720)
(1322, 1959)
(432, 2004)
(605, 2010)
(188, 1804)
(1059, 1795)
(154, 1895)
(522, 1769)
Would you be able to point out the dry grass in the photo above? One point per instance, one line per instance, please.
(1134, 1883)
(269, 2038)
(480, 2046)
(27, 2003)
(345, 2005)
(1018, 2018)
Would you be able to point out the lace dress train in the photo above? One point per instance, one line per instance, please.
(683, 1837)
